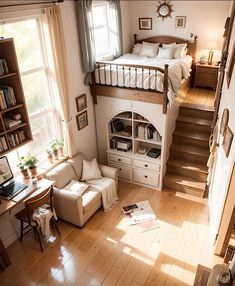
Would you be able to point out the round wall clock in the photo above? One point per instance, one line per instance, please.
(164, 10)
(224, 121)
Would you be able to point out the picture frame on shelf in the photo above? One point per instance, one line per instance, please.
(227, 142)
(180, 22)
(82, 120)
(81, 102)
(145, 23)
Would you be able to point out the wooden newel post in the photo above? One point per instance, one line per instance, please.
(165, 89)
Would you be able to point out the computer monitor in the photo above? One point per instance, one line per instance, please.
(5, 171)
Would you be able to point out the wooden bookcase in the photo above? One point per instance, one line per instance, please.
(12, 79)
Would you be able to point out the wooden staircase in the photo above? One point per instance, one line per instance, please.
(189, 152)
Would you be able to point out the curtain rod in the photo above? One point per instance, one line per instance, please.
(32, 3)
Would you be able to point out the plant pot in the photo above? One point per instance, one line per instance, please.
(61, 151)
(33, 171)
(56, 154)
(25, 173)
(50, 159)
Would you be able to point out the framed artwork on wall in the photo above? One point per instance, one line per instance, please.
(81, 102)
(145, 23)
(224, 121)
(180, 22)
(82, 120)
(231, 65)
(227, 142)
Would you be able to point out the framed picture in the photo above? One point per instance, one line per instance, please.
(82, 120)
(231, 66)
(81, 102)
(145, 23)
(180, 21)
(224, 121)
(227, 142)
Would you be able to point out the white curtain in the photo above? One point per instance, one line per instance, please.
(56, 34)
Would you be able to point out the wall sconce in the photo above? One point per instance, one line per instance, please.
(212, 47)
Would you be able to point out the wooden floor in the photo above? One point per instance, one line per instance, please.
(107, 251)
(200, 99)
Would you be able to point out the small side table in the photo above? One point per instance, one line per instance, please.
(206, 75)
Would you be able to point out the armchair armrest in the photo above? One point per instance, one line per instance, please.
(68, 206)
(109, 172)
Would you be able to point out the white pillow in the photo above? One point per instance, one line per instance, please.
(168, 45)
(137, 49)
(76, 187)
(165, 53)
(179, 51)
(149, 49)
(90, 170)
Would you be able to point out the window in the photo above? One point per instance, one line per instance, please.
(101, 26)
(30, 49)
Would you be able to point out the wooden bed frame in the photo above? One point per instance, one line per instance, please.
(145, 95)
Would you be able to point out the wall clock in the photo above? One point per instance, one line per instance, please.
(164, 10)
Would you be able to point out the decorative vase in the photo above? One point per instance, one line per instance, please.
(56, 154)
(25, 173)
(61, 151)
(33, 171)
(50, 158)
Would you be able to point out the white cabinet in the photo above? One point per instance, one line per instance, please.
(127, 133)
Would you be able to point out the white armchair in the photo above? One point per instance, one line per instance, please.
(71, 206)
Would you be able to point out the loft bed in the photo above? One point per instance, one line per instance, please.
(140, 82)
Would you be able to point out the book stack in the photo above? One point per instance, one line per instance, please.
(10, 123)
(3, 144)
(3, 67)
(16, 138)
(7, 97)
(147, 131)
(113, 142)
(117, 126)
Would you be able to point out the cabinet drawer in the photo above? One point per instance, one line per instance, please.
(147, 165)
(123, 171)
(206, 76)
(146, 177)
(207, 70)
(120, 159)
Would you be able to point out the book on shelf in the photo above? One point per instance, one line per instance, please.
(3, 144)
(7, 97)
(117, 126)
(16, 138)
(147, 132)
(3, 67)
(9, 123)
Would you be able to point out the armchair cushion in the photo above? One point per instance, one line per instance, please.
(76, 187)
(62, 175)
(90, 198)
(90, 170)
(76, 162)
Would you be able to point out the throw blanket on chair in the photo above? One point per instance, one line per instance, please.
(107, 187)
(42, 216)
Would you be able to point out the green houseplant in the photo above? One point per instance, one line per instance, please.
(23, 168)
(50, 156)
(54, 148)
(31, 161)
(60, 145)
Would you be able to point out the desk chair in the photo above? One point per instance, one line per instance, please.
(26, 215)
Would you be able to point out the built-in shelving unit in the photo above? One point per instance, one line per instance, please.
(15, 128)
(130, 137)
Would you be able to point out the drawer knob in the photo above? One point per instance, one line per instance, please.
(120, 169)
(119, 160)
(146, 176)
(146, 165)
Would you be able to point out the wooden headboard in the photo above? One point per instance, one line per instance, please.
(191, 45)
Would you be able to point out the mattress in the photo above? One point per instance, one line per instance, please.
(131, 77)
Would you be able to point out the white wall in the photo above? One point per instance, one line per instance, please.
(204, 18)
(224, 165)
(84, 140)
(126, 31)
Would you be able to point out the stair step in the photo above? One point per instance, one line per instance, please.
(188, 169)
(201, 151)
(196, 113)
(193, 135)
(184, 184)
(194, 120)
(191, 138)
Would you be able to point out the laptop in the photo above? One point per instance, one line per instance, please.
(9, 188)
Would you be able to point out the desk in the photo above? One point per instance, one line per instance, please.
(6, 206)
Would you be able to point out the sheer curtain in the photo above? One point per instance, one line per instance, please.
(56, 33)
(86, 33)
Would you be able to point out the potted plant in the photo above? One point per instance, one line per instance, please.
(60, 144)
(31, 161)
(23, 168)
(54, 148)
(50, 156)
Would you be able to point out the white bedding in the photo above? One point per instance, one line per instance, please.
(178, 70)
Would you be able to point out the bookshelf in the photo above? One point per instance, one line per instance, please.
(15, 128)
(134, 131)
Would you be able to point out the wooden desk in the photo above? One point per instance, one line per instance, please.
(6, 206)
